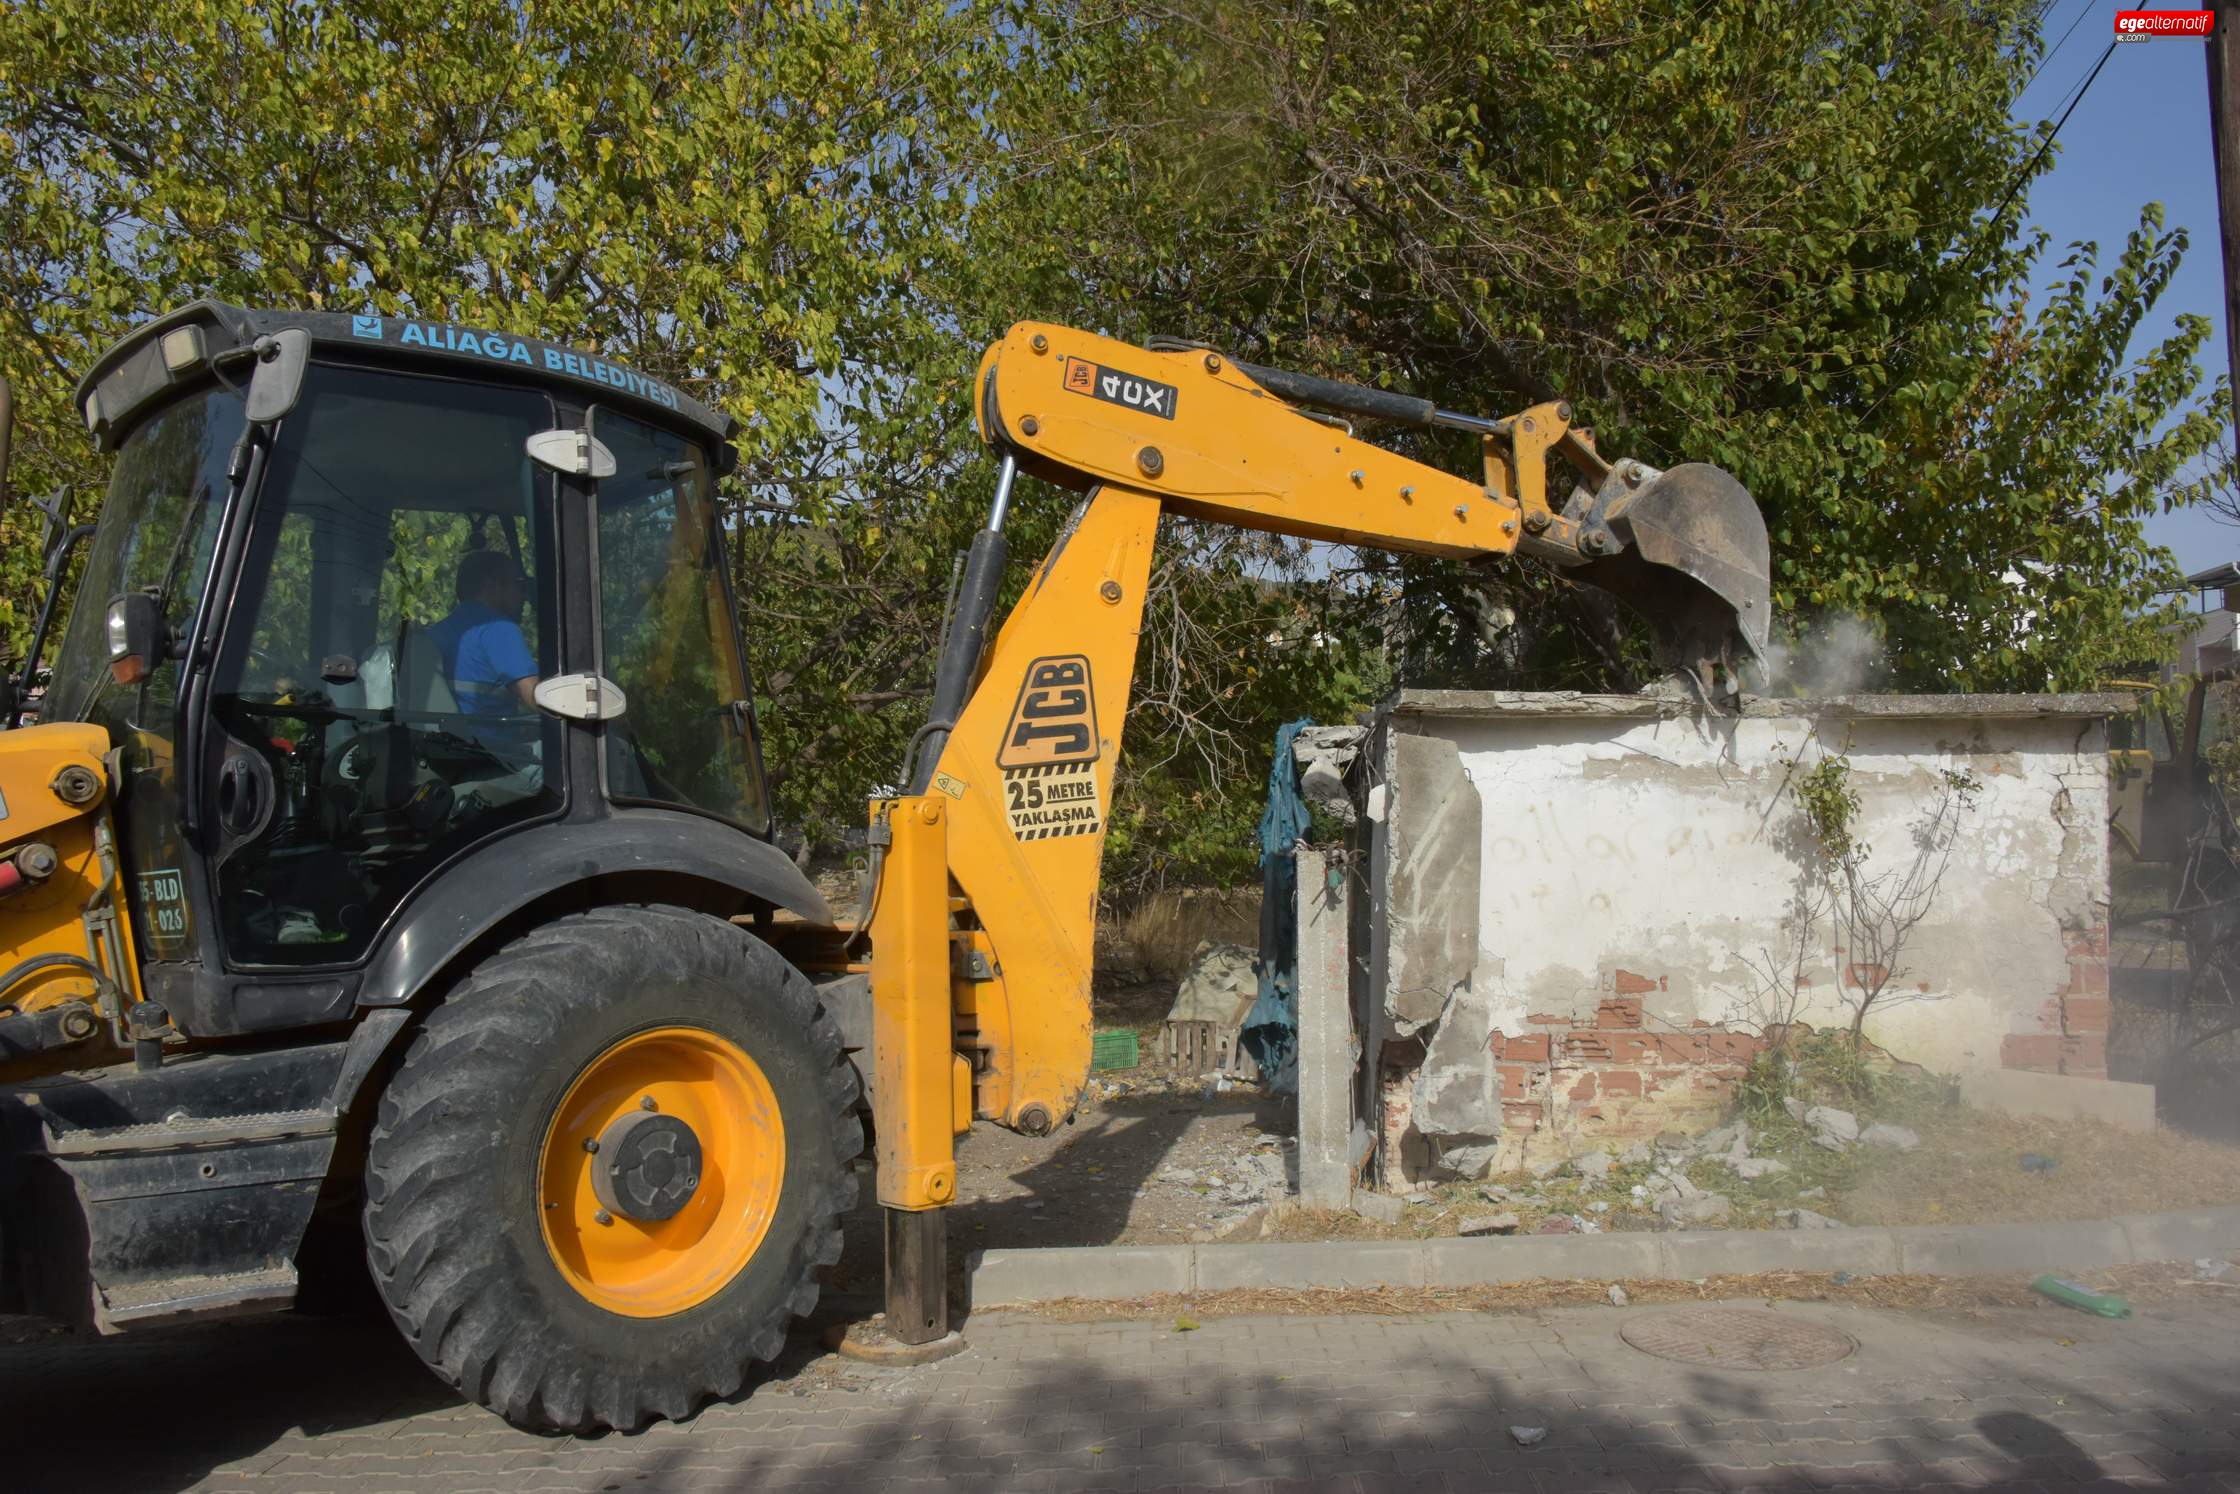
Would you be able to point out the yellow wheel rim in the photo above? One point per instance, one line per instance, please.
(643, 1267)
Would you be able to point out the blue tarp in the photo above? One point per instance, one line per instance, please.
(1271, 1027)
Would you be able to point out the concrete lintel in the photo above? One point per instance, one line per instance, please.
(1482, 704)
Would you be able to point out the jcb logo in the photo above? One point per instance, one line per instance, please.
(1130, 391)
(1055, 720)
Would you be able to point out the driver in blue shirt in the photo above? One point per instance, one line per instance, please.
(485, 656)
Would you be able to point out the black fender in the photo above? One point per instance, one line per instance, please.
(446, 918)
(476, 895)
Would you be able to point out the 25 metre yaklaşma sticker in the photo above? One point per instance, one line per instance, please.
(1049, 752)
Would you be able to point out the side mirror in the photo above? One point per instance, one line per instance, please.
(138, 640)
(278, 379)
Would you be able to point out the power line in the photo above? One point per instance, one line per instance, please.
(2047, 61)
(2047, 144)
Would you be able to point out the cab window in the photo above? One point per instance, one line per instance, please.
(375, 678)
(668, 633)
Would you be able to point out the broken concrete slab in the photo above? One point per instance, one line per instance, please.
(1434, 827)
(1456, 1104)
(1219, 987)
(1490, 1224)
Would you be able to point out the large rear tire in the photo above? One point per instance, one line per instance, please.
(569, 1298)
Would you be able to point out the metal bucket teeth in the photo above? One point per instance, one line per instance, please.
(1695, 564)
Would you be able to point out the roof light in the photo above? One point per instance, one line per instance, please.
(182, 348)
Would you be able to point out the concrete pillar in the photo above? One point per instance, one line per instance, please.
(1326, 1049)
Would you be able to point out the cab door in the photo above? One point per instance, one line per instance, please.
(371, 692)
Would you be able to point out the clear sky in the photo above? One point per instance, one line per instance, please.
(2141, 135)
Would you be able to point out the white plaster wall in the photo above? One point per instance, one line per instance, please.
(1668, 848)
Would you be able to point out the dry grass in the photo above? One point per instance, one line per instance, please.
(2143, 1285)
(1969, 1171)
(1157, 937)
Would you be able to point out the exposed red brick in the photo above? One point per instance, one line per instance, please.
(1621, 1082)
(1517, 1080)
(1866, 977)
(1545, 1019)
(2090, 944)
(1698, 1022)
(1633, 1047)
(2085, 1015)
(1587, 1045)
(1733, 1047)
(1683, 1047)
(1619, 1011)
(1530, 1048)
(2038, 1052)
(2085, 1056)
(2088, 977)
(1626, 983)
(1583, 1088)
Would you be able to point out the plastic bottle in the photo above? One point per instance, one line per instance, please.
(2083, 1299)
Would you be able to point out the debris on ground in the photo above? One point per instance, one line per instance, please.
(1528, 1436)
(1806, 1219)
(1491, 1224)
(2038, 1162)
(1382, 1207)
(1617, 1295)
(1883, 1133)
(2208, 1268)
(1832, 1128)
(2082, 1298)
(1704, 1211)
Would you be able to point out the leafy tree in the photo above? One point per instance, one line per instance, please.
(745, 201)
(1754, 233)
(1775, 237)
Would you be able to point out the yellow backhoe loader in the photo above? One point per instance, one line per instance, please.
(393, 840)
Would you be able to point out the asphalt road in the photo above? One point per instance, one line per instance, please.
(1999, 1398)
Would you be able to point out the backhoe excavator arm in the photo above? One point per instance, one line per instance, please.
(984, 913)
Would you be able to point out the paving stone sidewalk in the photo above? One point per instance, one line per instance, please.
(2007, 1399)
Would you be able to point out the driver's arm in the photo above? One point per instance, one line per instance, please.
(526, 689)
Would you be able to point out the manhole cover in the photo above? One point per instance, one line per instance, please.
(1736, 1338)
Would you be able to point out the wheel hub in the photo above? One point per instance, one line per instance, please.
(647, 1166)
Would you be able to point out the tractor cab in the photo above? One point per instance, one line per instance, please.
(368, 596)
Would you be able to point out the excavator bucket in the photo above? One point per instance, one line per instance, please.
(1694, 562)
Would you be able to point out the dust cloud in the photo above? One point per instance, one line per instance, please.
(1837, 655)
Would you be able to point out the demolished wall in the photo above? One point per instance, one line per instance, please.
(1579, 899)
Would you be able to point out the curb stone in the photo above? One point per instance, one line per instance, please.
(997, 1278)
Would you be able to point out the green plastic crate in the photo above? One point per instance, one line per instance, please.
(1114, 1049)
